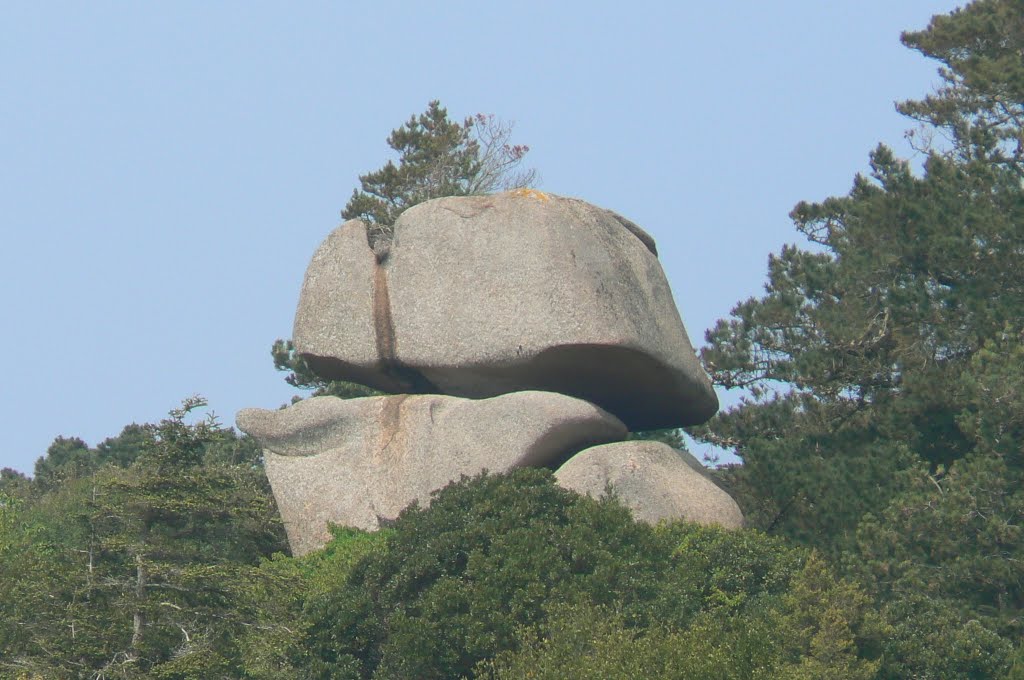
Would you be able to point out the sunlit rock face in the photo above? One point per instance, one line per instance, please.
(360, 462)
(653, 480)
(485, 295)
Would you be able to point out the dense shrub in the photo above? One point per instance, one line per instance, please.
(508, 572)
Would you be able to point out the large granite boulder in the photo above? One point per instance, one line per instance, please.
(359, 462)
(653, 480)
(486, 295)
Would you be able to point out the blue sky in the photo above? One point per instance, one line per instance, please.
(168, 169)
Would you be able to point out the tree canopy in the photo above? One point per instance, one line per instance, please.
(858, 357)
(438, 157)
(882, 365)
(128, 566)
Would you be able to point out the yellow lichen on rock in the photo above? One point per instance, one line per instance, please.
(531, 193)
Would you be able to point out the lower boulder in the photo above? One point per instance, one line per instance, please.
(360, 462)
(653, 480)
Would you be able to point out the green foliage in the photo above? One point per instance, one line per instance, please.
(827, 626)
(583, 641)
(125, 448)
(276, 645)
(718, 570)
(503, 576)
(14, 484)
(302, 377)
(66, 458)
(175, 529)
(858, 357)
(672, 437)
(507, 574)
(70, 458)
(437, 157)
(980, 108)
(955, 537)
(457, 579)
(52, 622)
(810, 630)
(133, 571)
(930, 640)
(993, 418)
(883, 421)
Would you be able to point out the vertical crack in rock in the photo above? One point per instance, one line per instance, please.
(390, 422)
(383, 324)
(389, 459)
(408, 378)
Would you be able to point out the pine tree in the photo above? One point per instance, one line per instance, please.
(857, 355)
(884, 367)
(980, 108)
(437, 157)
(132, 571)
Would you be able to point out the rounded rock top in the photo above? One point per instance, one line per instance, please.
(478, 296)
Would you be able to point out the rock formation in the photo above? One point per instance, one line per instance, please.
(484, 295)
(359, 462)
(653, 480)
(515, 329)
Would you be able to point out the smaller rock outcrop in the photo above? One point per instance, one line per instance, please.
(359, 462)
(653, 480)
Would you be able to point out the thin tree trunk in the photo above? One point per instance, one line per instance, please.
(139, 617)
